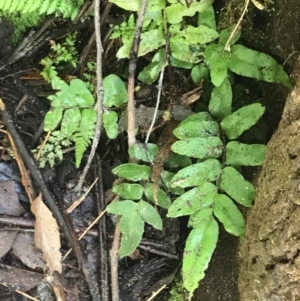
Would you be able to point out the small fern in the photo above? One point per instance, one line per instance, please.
(81, 144)
(72, 109)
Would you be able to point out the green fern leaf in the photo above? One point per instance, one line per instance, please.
(44, 6)
(35, 6)
(14, 5)
(28, 6)
(21, 5)
(53, 7)
(7, 5)
(81, 144)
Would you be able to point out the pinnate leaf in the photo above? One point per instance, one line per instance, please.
(234, 184)
(163, 199)
(140, 152)
(125, 207)
(195, 174)
(201, 116)
(207, 18)
(110, 123)
(241, 120)
(129, 191)
(217, 60)
(133, 172)
(199, 72)
(251, 63)
(177, 11)
(52, 119)
(225, 34)
(82, 95)
(229, 215)
(199, 248)
(70, 122)
(198, 217)
(132, 229)
(221, 100)
(115, 92)
(166, 177)
(193, 200)
(201, 148)
(245, 154)
(149, 214)
(196, 129)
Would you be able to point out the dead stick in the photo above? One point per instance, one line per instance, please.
(132, 67)
(100, 94)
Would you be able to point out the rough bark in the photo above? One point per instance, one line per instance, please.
(269, 252)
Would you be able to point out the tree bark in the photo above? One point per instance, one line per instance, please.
(269, 252)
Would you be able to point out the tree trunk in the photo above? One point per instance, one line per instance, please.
(269, 252)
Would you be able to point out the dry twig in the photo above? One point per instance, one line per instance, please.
(100, 93)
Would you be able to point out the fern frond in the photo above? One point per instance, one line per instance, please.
(14, 5)
(81, 144)
(54, 5)
(6, 5)
(44, 7)
(28, 6)
(20, 6)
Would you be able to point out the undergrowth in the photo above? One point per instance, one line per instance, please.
(205, 183)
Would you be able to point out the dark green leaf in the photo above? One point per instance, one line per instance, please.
(245, 154)
(241, 120)
(196, 129)
(133, 172)
(199, 72)
(176, 160)
(132, 229)
(195, 174)
(110, 123)
(52, 119)
(193, 200)
(70, 122)
(229, 215)
(199, 216)
(115, 92)
(202, 116)
(129, 191)
(180, 64)
(163, 199)
(149, 214)
(207, 18)
(221, 100)
(251, 63)
(151, 72)
(125, 207)
(166, 177)
(88, 122)
(199, 248)
(201, 148)
(234, 184)
(82, 95)
(140, 152)
(225, 34)
(177, 11)
(217, 60)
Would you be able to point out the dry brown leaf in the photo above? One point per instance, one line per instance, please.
(19, 279)
(9, 200)
(191, 96)
(46, 235)
(28, 253)
(7, 239)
